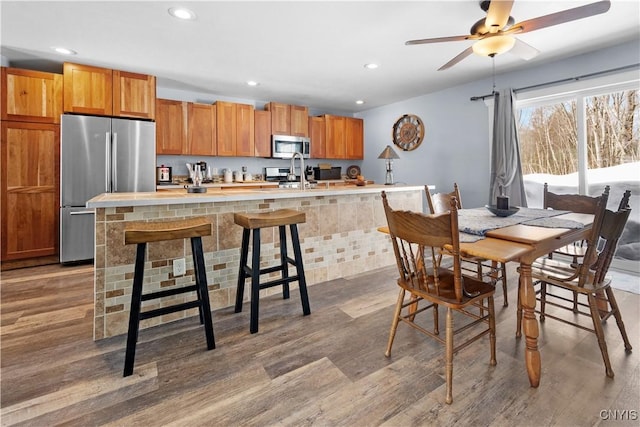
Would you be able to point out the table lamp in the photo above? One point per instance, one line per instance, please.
(389, 154)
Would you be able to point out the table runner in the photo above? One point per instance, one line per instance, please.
(475, 223)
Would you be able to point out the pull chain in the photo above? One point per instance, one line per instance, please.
(493, 68)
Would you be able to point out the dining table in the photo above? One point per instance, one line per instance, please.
(522, 237)
(524, 242)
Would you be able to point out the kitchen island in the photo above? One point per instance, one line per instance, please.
(338, 239)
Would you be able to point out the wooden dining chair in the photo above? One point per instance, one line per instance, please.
(575, 203)
(481, 268)
(430, 286)
(588, 279)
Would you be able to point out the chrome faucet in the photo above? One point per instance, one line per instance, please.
(292, 171)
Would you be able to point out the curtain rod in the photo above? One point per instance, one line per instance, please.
(569, 79)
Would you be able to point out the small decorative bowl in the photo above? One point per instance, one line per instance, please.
(502, 212)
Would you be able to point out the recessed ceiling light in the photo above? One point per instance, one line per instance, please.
(64, 50)
(371, 66)
(252, 83)
(182, 13)
(359, 102)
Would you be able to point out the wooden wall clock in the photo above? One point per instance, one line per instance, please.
(408, 132)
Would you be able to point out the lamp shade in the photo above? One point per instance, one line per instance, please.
(388, 153)
(493, 45)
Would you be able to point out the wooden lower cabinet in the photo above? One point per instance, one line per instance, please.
(30, 189)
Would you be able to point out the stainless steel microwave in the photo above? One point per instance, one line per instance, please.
(284, 146)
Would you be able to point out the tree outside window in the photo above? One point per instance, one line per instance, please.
(581, 144)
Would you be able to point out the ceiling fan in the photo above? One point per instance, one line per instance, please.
(494, 34)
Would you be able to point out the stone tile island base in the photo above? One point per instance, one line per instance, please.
(338, 239)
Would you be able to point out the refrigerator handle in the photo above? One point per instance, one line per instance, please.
(114, 162)
(107, 169)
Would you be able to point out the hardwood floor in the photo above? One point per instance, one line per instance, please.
(325, 369)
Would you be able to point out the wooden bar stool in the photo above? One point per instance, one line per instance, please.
(141, 233)
(255, 221)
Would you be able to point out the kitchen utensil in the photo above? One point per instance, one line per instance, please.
(237, 176)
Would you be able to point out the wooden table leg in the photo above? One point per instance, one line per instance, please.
(530, 325)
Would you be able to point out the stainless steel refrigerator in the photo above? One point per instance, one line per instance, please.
(99, 155)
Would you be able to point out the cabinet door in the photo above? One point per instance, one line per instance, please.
(317, 136)
(88, 90)
(335, 137)
(299, 120)
(354, 140)
(245, 134)
(134, 95)
(171, 127)
(226, 128)
(280, 118)
(31, 96)
(202, 129)
(262, 125)
(30, 189)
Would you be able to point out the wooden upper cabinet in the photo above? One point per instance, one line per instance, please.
(288, 119)
(134, 95)
(29, 189)
(31, 96)
(201, 129)
(317, 133)
(226, 128)
(235, 129)
(245, 130)
(104, 92)
(280, 118)
(354, 138)
(171, 127)
(299, 120)
(88, 90)
(262, 126)
(335, 137)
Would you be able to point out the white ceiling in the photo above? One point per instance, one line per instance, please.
(301, 52)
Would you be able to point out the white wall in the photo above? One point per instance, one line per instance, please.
(456, 143)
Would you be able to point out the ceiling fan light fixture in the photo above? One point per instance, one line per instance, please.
(494, 45)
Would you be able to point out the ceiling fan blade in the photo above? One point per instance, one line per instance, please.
(498, 14)
(468, 51)
(564, 16)
(524, 50)
(440, 40)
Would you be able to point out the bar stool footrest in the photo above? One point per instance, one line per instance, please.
(277, 282)
(168, 292)
(170, 309)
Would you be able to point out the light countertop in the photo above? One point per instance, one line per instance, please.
(178, 185)
(108, 200)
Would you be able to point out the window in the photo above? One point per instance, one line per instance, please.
(579, 139)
